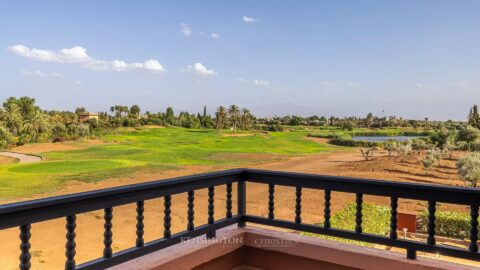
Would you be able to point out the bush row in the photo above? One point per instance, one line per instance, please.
(448, 224)
(377, 221)
(348, 141)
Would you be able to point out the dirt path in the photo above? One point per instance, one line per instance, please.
(22, 158)
(48, 242)
(326, 163)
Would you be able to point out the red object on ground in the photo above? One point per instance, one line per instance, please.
(408, 221)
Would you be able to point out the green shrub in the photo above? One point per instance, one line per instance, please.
(448, 224)
(6, 138)
(376, 220)
(469, 169)
(390, 133)
(348, 141)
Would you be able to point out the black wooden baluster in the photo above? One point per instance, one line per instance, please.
(359, 215)
(25, 247)
(70, 246)
(241, 201)
(229, 200)
(271, 201)
(432, 205)
(473, 247)
(191, 211)
(140, 226)
(166, 218)
(298, 205)
(107, 235)
(326, 210)
(393, 217)
(411, 253)
(211, 209)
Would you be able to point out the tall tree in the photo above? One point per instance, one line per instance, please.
(12, 117)
(204, 117)
(36, 124)
(221, 118)
(169, 116)
(369, 120)
(26, 104)
(246, 119)
(474, 117)
(234, 116)
(80, 110)
(135, 111)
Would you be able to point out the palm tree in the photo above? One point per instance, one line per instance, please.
(233, 113)
(12, 117)
(36, 124)
(221, 117)
(125, 110)
(245, 120)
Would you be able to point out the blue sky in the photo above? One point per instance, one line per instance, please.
(409, 58)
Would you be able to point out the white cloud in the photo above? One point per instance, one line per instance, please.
(419, 85)
(185, 29)
(200, 69)
(258, 82)
(248, 19)
(40, 74)
(215, 35)
(78, 55)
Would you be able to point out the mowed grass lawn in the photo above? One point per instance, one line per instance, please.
(132, 151)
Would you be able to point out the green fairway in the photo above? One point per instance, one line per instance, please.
(131, 151)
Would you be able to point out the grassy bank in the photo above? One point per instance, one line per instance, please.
(130, 151)
(344, 137)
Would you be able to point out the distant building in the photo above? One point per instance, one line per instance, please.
(85, 116)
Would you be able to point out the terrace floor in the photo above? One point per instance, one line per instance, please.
(254, 248)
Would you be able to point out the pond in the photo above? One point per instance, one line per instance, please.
(384, 138)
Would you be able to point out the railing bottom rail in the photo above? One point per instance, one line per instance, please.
(365, 237)
(132, 253)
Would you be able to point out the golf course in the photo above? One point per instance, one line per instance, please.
(129, 151)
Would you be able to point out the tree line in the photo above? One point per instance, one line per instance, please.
(22, 121)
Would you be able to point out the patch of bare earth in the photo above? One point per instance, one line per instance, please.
(7, 160)
(36, 148)
(320, 140)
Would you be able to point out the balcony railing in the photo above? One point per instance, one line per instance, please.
(23, 214)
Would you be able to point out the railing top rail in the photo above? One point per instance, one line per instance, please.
(439, 193)
(282, 178)
(16, 214)
(26, 205)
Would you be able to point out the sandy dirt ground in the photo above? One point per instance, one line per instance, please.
(7, 160)
(36, 148)
(22, 158)
(48, 238)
